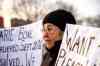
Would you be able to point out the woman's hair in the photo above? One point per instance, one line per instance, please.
(59, 18)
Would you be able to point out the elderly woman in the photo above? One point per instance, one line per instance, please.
(53, 27)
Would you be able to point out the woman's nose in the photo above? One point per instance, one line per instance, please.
(46, 33)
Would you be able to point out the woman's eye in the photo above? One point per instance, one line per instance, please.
(49, 29)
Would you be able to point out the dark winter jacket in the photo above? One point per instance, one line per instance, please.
(50, 56)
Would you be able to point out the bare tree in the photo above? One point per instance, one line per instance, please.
(24, 6)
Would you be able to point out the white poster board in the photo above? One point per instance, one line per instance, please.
(80, 47)
(20, 46)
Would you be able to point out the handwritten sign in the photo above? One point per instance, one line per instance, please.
(20, 46)
(80, 47)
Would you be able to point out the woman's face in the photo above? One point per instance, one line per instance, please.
(51, 33)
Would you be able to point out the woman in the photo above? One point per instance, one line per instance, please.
(53, 27)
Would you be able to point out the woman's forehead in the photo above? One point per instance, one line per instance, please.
(49, 25)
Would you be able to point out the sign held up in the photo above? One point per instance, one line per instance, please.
(80, 47)
(20, 46)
